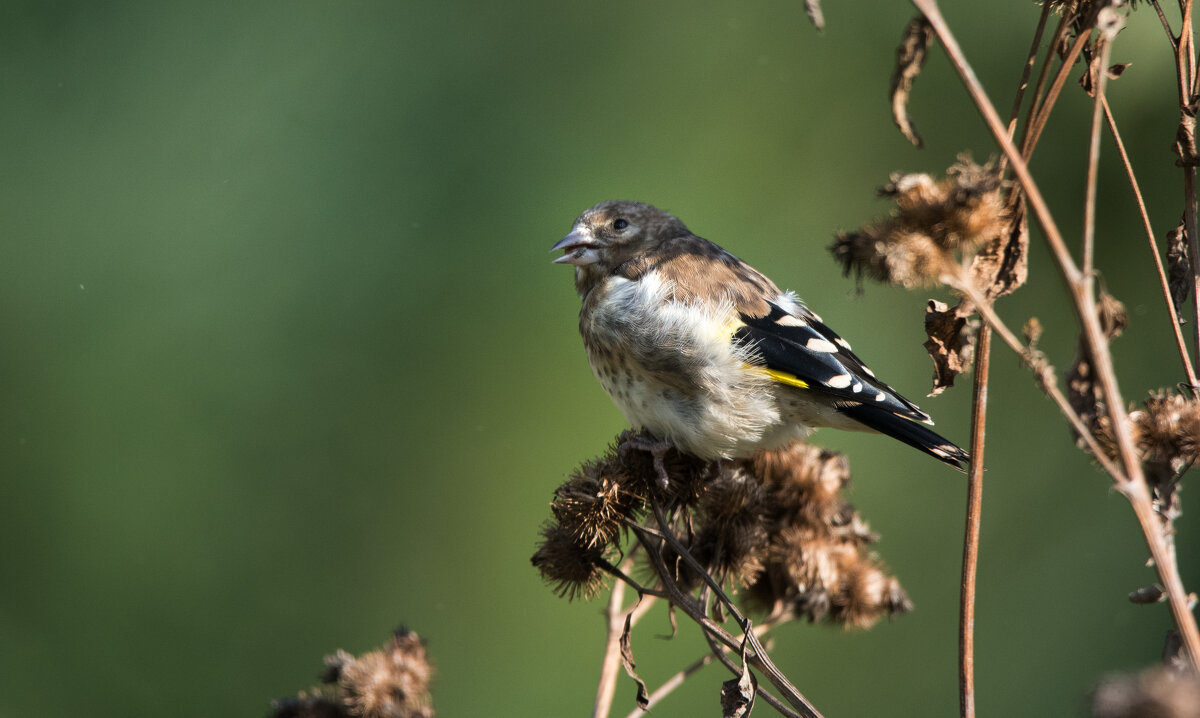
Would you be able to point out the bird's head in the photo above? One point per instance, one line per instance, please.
(612, 232)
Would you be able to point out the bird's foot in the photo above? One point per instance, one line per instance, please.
(658, 450)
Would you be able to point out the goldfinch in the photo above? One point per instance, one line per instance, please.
(703, 352)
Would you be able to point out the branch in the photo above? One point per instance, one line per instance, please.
(1172, 310)
(966, 623)
(1133, 485)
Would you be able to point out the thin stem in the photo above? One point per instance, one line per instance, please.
(1189, 228)
(1033, 131)
(966, 623)
(614, 619)
(689, 605)
(1055, 39)
(1172, 310)
(1087, 256)
(1166, 26)
(1084, 303)
(1030, 61)
(677, 680)
(671, 684)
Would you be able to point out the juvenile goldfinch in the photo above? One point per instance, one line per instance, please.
(702, 351)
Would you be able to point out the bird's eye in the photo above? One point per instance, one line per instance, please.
(620, 224)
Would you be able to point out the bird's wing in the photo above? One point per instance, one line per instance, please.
(797, 349)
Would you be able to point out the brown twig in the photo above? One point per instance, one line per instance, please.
(1030, 61)
(614, 618)
(1059, 30)
(1033, 130)
(1133, 486)
(694, 610)
(1172, 310)
(764, 663)
(966, 623)
(714, 654)
(1047, 381)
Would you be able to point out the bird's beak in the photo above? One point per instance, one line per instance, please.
(581, 248)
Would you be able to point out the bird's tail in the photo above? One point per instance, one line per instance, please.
(910, 432)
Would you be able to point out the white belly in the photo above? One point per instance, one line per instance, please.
(672, 370)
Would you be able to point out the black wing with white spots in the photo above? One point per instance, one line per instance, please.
(804, 348)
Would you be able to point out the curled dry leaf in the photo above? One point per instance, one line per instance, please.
(1113, 316)
(643, 697)
(1185, 138)
(737, 694)
(1179, 269)
(910, 58)
(1002, 264)
(951, 342)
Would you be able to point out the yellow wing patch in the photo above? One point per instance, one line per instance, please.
(784, 378)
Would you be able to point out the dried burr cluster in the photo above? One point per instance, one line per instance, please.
(934, 221)
(392, 682)
(775, 526)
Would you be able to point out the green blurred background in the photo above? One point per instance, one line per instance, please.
(286, 363)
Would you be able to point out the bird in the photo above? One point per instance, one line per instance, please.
(707, 355)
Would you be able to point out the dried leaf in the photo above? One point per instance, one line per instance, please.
(1179, 269)
(1083, 395)
(951, 342)
(1083, 392)
(1115, 71)
(1002, 264)
(812, 8)
(1185, 138)
(910, 58)
(737, 694)
(1113, 317)
(643, 697)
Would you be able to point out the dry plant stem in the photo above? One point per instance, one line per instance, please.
(1185, 72)
(689, 605)
(1087, 261)
(671, 684)
(1033, 130)
(720, 653)
(677, 680)
(966, 623)
(1030, 61)
(1051, 388)
(1134, 485)
(1189, 223)
(1172, 310)
(773, 674)
(1067, 11)
(614, 618)
(1166, 26)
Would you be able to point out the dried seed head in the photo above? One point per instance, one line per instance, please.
(887, 252)
(573, 569)
(805, 481)
(732, 537)
(688, 474)
(594, 503)
(932, 220)
(1167, 429)
(389, 683)
(1154, 693)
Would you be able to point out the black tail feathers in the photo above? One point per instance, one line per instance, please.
(910, 432)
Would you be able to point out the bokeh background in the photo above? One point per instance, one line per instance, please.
(285, 362)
